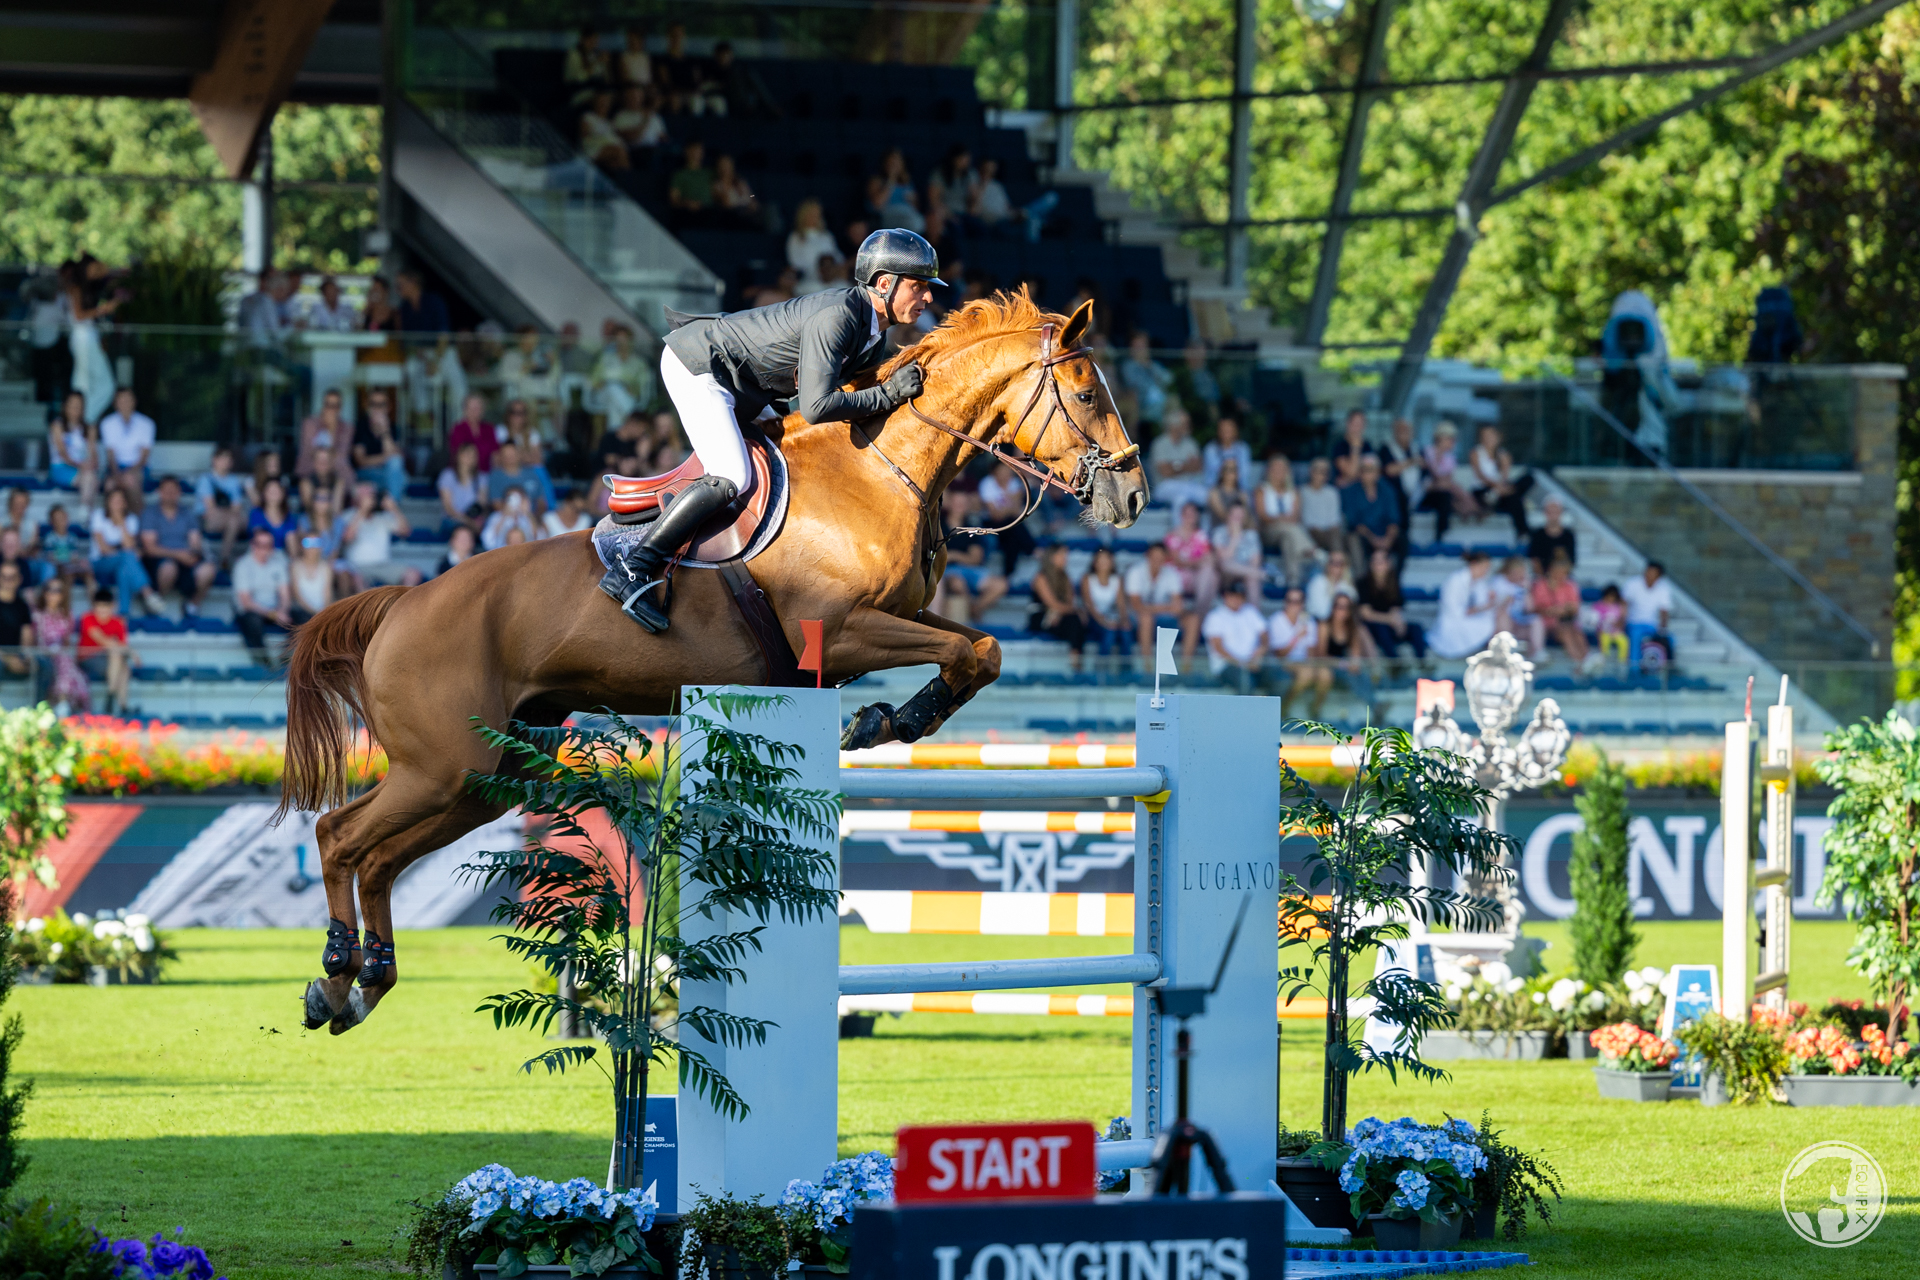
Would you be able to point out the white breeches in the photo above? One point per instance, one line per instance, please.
(707, 415)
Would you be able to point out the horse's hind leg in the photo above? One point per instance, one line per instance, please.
(340, 855)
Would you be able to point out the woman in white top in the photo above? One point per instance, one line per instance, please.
(1495, 484)
(807, 243)
(73, 445)
(116, 552)
(1466, 609)
(1236, 549)
(1336, 581)
(1276, 506)
(311, 578)
(598, 138)
(632, 62)
(1109, 621)
(1292, 638)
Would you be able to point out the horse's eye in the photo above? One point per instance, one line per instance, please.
(1085, 397)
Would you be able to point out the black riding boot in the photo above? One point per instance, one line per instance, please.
(644, 568)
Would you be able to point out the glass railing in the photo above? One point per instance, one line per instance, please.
(454, 86)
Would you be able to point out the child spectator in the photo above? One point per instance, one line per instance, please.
(1610, 624)
(1236, 635)
(1292, 637)
(262, 597)
(64, 547)
(171, 548)
(366, 539)
(104, 654)
(1320, 510)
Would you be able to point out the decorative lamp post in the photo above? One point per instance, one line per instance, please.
(1497, 681)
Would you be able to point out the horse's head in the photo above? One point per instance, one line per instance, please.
(1062, 415)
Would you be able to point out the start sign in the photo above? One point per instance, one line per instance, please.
(994, 1162)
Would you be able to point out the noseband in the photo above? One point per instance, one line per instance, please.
(1088, 464)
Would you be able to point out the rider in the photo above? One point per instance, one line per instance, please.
(720, 369)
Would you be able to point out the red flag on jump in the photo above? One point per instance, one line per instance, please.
(814, 659)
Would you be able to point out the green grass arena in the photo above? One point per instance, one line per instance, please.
(286, 1153)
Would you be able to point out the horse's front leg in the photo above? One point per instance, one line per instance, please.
(871, 640)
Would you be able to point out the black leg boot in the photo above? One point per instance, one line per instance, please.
(644, 568)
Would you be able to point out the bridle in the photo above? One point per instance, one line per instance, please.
(1090, 462)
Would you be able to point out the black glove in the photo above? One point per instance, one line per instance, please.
(905, 383)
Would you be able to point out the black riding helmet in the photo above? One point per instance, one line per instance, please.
(896, 252)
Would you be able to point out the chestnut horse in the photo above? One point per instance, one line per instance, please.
(524, 632)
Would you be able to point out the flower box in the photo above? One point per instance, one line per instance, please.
(1316, 1192)
(1713, 1090)
(1483, 1223)
(1499, 1046)
(35, 975)
(1850, 1091)
(115, 975)
(1414, 1233)
(1580, 1048)
(1634, 1086)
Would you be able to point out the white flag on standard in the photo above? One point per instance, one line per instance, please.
(1163, 638)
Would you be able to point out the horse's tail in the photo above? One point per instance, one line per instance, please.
(326, 695)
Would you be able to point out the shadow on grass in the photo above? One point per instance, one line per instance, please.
(1687, 1237)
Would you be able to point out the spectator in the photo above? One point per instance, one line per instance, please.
(65, 548)
(733, 90)
(1350, 448)
(1371, 511)
(1178, 469)
(1190, 551)
(172, 549)
(1445, 495)
(1649, 601)
(632, 63)
(1321, 512)
(50, 359)
(622, 377)
(421, 309)
(1556, 604)
(833, 271)
(1147, 379)
(104, 652)
(1383, 610)
(323, 521)
(126, 442)
(262, 596)
(528, 372)
(1227, 445)
(16, 624)
(1347, 649)
(898, 205)
(533, 483)
(376, 447)
(220, 500)
(586, 69)
(677, 73)
(638, 121)
(1276, 505)
(329, 484)
(366, 539)
(53, 631)
(515, 511)
(1157, 597)
(329, 313)
(272, 513)
(116, 552)
(16, 518)
(1465, 623)
(73, 449)
(600, 142)
(1196, 386)
(1496, 485)
(968, 581)
(266, 466)
(13, 552)
(1552, 539)
(625, 449)
(950, 189)
(460, 548)
(1226, 492)
(1293, 636)
(1236, 635)
(1511, 614)
(808, 243)
(1400, 464)
(261, 317)
(309, 578)
(567, 516)
(1005, 497)
(989, 204)
(379, 316)
(327, 430)
(690, 191)
(1610, 625)
(474, 430)
(1326, 587)
(1103, 601)
(1236, 550)
(1056, 606)
(89, 298)
(734, 203)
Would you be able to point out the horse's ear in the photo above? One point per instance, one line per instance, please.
(1077, 326)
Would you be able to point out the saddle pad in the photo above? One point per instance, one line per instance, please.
(733, 534)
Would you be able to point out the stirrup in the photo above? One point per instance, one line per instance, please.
(636, 602)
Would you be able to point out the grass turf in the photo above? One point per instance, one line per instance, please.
(289, 1154)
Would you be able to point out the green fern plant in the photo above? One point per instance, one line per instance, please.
(728, 832)
(1517, 1181)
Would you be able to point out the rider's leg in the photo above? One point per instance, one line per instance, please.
(707, 413)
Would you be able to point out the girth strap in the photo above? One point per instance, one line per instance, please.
(763, 624)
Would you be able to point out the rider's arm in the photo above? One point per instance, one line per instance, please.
(831, 340)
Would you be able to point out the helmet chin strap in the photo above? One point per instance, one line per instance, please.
(886, 301)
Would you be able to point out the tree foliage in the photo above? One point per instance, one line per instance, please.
(698, 842)
(1602, 922)
(37, 759)
(1873, 850)
(1402, 807)
(13, 1097)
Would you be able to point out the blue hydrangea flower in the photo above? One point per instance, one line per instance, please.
(1411, 1190)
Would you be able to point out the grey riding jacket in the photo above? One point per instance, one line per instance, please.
(805, 347)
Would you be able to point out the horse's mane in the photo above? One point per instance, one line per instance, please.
(974, 322)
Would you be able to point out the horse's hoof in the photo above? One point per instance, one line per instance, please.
(871, 725)
(353, 1015)
(318, 1011)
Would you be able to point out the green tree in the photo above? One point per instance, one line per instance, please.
(1873, 850)
(1602, 922)
(695, 840)
(37, 758)
(13, 1097)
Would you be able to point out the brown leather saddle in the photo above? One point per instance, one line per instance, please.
(740, 530)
